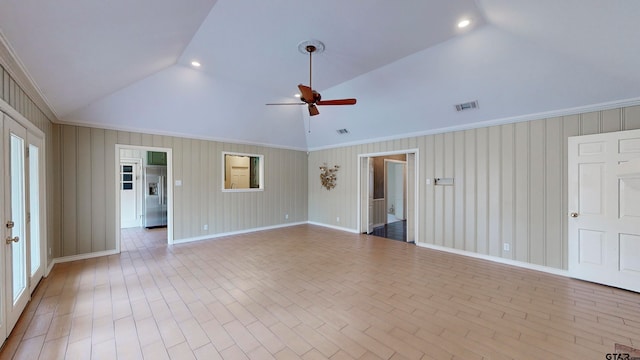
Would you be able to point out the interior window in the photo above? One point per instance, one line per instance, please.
(243, 172)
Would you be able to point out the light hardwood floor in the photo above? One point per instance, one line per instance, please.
(314, 293)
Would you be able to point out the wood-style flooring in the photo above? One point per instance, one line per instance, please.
(307, 292)
(396, 230)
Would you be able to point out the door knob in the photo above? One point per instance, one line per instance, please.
(574, 214)
(10, 240)
(10, 224)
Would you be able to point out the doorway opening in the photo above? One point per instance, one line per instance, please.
(145, 205)
(388, 194)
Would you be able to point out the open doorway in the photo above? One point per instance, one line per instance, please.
(392, 216)
(388, 194)
(144, 207)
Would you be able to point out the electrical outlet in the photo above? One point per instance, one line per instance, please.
(49, 251)
(205, 227)
(337, 218)
(506, 247)
(286, 216)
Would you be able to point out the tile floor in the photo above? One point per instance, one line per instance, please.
(307, 292)
(396, 230)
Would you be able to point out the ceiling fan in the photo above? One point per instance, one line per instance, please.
(309, 96)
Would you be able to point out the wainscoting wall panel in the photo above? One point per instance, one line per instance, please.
(510, 185)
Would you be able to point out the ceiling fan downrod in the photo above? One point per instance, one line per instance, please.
(310, 49)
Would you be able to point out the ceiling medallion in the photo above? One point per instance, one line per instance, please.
(318, 46)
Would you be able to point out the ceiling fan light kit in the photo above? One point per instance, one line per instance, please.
(309, 96)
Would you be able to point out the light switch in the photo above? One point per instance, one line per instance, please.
(178, 182)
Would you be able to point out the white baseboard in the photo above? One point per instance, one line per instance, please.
(79, 257)
(333, 227)
(496, 259)
(245, 231)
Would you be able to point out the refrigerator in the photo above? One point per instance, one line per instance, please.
(155, 196)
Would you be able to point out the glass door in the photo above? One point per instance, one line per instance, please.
(35, 213)
(16, 288)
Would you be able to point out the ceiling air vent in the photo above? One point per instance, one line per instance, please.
(342, 131)
(467, 106)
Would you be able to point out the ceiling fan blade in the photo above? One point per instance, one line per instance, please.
(313, 110)
(337, 102)
(298, 103)
(306, 93)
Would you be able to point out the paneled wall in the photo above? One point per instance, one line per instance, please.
(88, 190)
(20, 95)
(510, 185)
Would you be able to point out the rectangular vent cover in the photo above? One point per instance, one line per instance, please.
(342, 131)
(467, 106)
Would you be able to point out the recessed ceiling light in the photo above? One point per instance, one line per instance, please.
(464, 23)
(195, 64)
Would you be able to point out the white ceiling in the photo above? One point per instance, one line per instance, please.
(126, 64)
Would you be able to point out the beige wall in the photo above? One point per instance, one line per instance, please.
(88, 191)
(510, 185)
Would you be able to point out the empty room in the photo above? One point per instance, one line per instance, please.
(219, 179)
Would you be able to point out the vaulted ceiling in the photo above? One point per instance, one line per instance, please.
(126, 65)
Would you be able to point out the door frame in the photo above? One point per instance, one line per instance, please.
(33, 130)
(42, 170)
(411, 215)
(116, 184)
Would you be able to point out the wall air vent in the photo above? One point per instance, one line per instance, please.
(342, 131)
(467, 106)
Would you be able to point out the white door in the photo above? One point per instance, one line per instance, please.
(35, 213)
(395, 180)
(130, 194)
(16, 281)
(604, 208)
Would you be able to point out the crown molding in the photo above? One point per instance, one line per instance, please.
(16, 69)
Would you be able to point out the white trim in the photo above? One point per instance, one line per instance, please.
(49, 268)
(487, 123)
(260, 172)
(416, 199)
(496, 259)
(81, 257)
(170, 186)
(354, 231)
(475, 125)
(23, 121)
(4, 42)
(238, 232)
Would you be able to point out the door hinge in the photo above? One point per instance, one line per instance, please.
(29, 217)
(27, 151)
